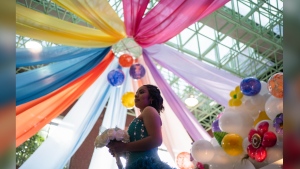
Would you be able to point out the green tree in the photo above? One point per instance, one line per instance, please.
(24, 151)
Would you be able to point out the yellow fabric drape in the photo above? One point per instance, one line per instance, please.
(37, 25)
(98, 13)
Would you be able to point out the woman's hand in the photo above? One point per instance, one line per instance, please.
(116, 147)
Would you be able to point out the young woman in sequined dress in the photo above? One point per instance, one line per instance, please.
(144, 131)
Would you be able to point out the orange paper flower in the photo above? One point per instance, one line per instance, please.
(236, 96)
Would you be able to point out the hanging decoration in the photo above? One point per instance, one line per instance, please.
(137, 71)
(116, 77)
(125, 60)
(128, 100)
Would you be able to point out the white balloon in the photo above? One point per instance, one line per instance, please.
(273, 107)
(214, 142)
(264, 88)
(235, 122)
(274, 153)
(202, 151)
(259, 101)
(245, 144)
(244, 164)
(250, 108)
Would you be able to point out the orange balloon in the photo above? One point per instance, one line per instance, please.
(275, 85)
(183, 161)
(125, 60)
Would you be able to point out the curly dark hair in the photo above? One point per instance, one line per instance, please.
(157, 100)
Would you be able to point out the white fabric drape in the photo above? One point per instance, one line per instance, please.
(63, 142)
(115, 116)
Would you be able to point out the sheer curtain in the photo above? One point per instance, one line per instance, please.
(63, 142)
(165, 20)
(115, 116)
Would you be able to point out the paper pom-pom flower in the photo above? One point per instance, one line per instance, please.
(278, 123)
(236, 96)
(260, 139)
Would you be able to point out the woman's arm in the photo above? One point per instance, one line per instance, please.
(152, 124)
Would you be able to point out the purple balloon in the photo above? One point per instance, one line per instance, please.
(215, 126)
(137, 71)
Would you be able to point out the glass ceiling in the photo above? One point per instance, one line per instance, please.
(245, 38)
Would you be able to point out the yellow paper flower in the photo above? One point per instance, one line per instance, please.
(236, 96)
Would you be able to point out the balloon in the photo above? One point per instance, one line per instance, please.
(262, 116)
(245, 144)
(232, 144)
(183, 161)
(137, 71)
(250, 86)
(259, 101)
(116, 77)
(214, 142)
(273, 107)
(264, 88)
(125, 60)
(249, 108)
(128, 100)
(275, 85)
(235, 122)
(274, 153)
(202, 151)
(278, 124)
(215, 126)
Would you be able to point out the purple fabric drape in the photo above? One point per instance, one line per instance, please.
(188, 120)
(165, 20)
(210, 80)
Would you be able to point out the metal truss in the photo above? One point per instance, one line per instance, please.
(244, 37)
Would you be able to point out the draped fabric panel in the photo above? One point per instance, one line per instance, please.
(115, 116)
(33, 84)
(98, 13)
(40, 26)
(175, 136)
(166, 19)
(64, 141)
(26, 57)
(32, 116)
(210, 80)
(133, 13)
(188, 120)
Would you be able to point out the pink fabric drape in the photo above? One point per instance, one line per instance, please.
(165, 20)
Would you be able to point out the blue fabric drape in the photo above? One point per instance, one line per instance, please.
(25, 57)
(39, 82)
(64, 141)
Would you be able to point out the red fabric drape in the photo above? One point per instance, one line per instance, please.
(165, 20)
(34, 115)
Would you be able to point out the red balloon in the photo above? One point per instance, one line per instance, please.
(125, 60)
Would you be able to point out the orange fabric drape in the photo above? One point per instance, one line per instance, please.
(34, 115)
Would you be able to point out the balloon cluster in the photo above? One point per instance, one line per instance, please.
(250, 126)
(116, 77)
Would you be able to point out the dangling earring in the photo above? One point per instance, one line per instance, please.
(150, 102)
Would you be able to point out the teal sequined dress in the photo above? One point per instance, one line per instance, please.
(142, 159)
